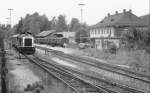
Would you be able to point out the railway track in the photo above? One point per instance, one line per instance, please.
(106, 66)
(76, 83)
(116, 70)
(131, 76)
(110, 87)
(97, 63)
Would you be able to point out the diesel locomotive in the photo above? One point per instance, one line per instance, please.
(24, 43)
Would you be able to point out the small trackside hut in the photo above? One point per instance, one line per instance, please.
(24, 43)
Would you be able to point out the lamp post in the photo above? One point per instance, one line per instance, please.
(81, 4)
(10, 16)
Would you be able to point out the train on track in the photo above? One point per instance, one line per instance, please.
(24, 43)
(55, 40)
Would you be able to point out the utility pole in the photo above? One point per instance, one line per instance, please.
(10, 16)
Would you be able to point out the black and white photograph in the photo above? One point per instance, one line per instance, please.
(75, 46)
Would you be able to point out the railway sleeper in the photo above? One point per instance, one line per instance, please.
(76, 85)
(90, 89)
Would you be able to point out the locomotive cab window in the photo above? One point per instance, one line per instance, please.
(28, 42)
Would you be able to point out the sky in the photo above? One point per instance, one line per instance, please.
(93, 10)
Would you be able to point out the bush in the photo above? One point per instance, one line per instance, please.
(113, 49)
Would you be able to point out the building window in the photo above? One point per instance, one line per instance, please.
(104, 31)
(100, 31)
(108, 31)
(96, 31)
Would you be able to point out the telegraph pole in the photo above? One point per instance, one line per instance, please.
(10, 16)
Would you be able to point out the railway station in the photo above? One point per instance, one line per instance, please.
(45, 53)
(55, 69)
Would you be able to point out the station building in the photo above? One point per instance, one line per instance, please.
(108, 31)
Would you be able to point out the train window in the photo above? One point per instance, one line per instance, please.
(58, 35)
(28, 42)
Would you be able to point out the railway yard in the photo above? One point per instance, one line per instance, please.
(66, 70)
(59, 52)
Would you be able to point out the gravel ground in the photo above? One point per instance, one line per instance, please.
(28, 73)
(20, 76)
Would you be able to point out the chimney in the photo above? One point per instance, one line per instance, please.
(108, 14)
(130, 11)
(124, 10)
(116, 12)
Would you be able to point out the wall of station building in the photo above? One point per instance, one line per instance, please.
(104, 37)
(102, 32)
(105, 43)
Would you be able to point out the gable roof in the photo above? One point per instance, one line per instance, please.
(121, 19)
(45, 33)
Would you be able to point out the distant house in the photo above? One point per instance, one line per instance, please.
(108, 31)
(45, 33)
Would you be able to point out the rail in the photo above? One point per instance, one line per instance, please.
(104, 66)
(66, 77)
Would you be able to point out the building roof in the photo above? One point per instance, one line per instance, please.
(67, 34)
(45, 33)
(126, 18)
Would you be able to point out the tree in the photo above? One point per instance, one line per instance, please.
(6, 31)
(74, 24)
(61, 24)
(132, 38)
(53, 23)
(19, 27)
(34, 23)
(146, 37)
(81, 36)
